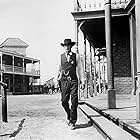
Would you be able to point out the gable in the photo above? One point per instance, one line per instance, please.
(14, 42)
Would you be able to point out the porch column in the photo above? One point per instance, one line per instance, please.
(32, 67)
(85, 53)
(13, 83)
(32, 75)
(77, 51)
(33, 71)
(99, 74)
(104, 80)
(1, 67)
(13, 62)
(95, 88)
(39, 74)
(133, 51)
(1, 74)
(137, 11)
(24, 84)
(76, 36)
(91, 74)
(23, 66)
(109, 47)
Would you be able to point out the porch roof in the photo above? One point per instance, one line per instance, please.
(95, 30)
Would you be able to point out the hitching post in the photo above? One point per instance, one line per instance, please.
(4, 101)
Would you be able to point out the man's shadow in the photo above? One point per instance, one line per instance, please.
(79, 126)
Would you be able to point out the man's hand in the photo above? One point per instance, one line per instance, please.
(82, 86)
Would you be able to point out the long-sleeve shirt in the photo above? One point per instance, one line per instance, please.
(79, 69)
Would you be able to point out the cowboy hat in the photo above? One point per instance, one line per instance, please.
(67, 42)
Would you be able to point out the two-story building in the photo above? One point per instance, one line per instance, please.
(89, 16)
(18, 71)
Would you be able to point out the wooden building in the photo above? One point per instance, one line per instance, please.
(18, 71)
(114, 24)
(90, 18)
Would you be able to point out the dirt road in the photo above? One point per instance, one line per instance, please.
(41, 117)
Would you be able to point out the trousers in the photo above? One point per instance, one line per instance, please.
(69, 91)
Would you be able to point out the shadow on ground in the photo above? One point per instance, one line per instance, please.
(20, 126)
(79, 126)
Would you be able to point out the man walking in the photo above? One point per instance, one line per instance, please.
(70, 68)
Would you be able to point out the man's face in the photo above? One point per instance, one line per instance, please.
(67, 48)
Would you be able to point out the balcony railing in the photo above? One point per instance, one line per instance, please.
(7, 68)
(32, 71)
(16, 69)
(94, 5)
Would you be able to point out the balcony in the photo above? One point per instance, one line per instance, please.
(96, 5)
(32, 72)
(20, 70)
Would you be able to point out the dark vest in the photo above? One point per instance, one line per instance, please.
(69, 67)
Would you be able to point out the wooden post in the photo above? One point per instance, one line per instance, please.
(77, 51)
(132, 25)
(76, 36)
(137, 11)
(4, 101)
(39, 74)
(13, 62)
(23, 65)
(24, 84)
(86, 85)
(91, 75)
(95, 88)
(109, 52)
(13, 82)
(99, 72)
(104, 87)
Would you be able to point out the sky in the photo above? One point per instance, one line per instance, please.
(43, 25)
